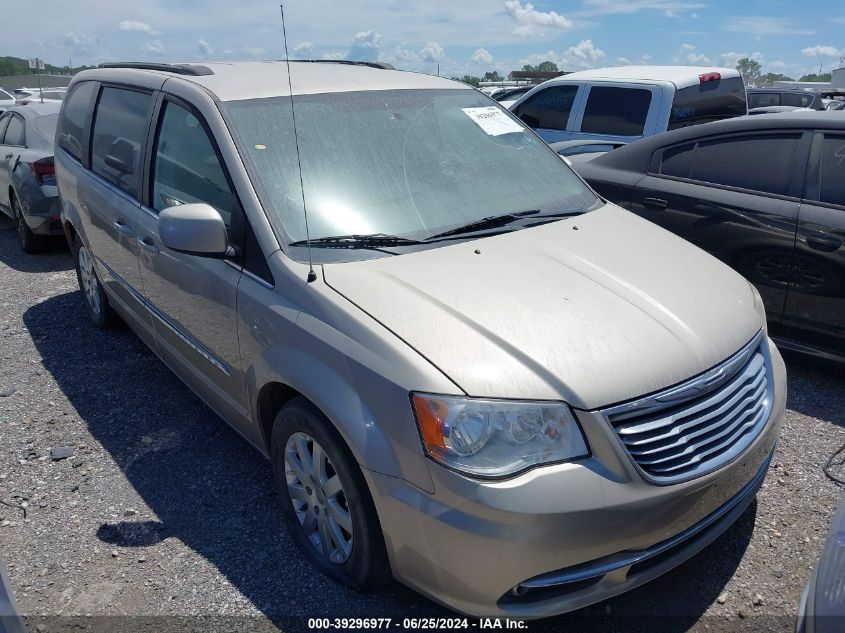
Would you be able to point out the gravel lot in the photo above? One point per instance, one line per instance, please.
(161, 510)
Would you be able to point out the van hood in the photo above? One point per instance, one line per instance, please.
(593, 310)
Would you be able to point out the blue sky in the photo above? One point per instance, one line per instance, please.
(462, 36)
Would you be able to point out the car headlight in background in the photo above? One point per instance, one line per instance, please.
(758, 305)
(496, 438)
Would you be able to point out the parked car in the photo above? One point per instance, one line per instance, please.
(836, 105)
(795, 97)
(6, 101)
(822, 606)
(25, 96)
(631, 102)
(28, 191)
(508, 96)
(764, 194)
(465, 373)
(776, 109)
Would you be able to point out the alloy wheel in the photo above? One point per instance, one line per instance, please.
(90, 283)
(318, 498)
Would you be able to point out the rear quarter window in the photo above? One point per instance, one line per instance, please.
(616, 111)
(709, 101)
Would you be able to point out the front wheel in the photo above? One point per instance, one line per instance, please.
(101, 314)
(325, 501)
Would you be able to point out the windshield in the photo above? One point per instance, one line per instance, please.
(407, 163)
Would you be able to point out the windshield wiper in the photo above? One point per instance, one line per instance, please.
(491, 222)
(373, 241)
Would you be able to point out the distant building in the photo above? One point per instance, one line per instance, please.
(533, 76)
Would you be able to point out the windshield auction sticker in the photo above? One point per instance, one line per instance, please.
(492, 120)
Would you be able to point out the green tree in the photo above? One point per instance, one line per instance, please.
(529, 68)
(493, 76)
(750, 69)
(768, 79)
(816, 77)
(469, 79)
(547, 67)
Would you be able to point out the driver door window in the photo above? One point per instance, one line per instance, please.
(186, 168)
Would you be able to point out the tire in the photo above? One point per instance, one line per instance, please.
(315, 508)
(30, 243)
(100, 313)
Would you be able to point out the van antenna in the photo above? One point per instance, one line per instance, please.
(312, 276)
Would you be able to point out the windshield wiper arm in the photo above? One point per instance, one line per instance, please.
(374, 240)
(491, 222)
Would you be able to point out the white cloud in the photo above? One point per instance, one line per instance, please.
(822, 51)
(482, 57)
(761, 25)
(694, 16)
(531, 22)
(668, 7)
(685, 48)
(698, 60)
(583, 55)
(730, 59)
(253, 52)
(204, 48)
(432, 52)
(332, 55)
(624, 61)
(79, 44)
(155, 48)
(136, 27)
(304, 50)
(365, 46)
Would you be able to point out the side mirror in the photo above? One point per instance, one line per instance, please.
(194, 229)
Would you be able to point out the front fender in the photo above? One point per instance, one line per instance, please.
(354, 370)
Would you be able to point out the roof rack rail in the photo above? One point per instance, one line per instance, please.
(180, 69)
(351, 62)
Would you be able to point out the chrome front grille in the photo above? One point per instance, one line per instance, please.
(702, 424)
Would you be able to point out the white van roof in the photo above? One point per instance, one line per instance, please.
(680, 76)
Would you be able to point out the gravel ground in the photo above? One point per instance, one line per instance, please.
(161, 510)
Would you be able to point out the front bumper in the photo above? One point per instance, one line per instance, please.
(567, 535)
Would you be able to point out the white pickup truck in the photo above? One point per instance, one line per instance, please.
(620, 105)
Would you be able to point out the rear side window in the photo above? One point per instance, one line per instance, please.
(796, 99)
(15, 134)
(759, 163)
(616, 111)
(74, 115)
(763, 99)
(549, 108)
(708, 101)
(117, 137)
(833, 170)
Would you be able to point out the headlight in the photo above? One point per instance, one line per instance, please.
(758, 305)
(496, 438)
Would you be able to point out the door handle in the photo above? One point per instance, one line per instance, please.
(826, 243)
(123, 227)
(655, 203)
(148, 244)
